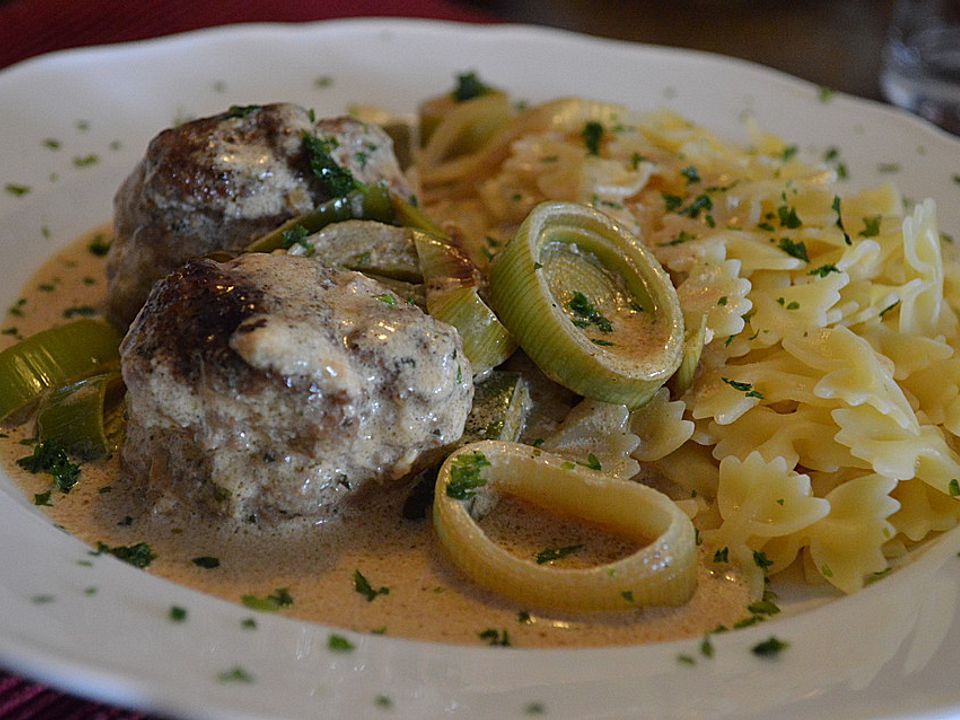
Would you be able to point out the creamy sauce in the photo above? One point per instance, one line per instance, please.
(427, 600)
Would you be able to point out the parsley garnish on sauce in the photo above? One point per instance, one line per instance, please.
(587, 314)
(494, 637)
(465, 475)
(788, 217)
(235, 674)
(206, 562)
(722, 555)
(241, 111)
(551, 554)
(871, 226)
(592, 133)
(691, 174)
(296, 235)
(337, 181)
(139, 555)
(824, 270)
(363, 586)
(50, 457)
(280, 598)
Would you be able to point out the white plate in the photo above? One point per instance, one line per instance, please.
(889, 651)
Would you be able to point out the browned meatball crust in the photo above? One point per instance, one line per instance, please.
(220, 182)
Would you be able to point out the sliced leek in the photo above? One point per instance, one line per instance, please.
(452, 284)
(370, 247)
(369, 203)
(682, 380)
(663, 572)
(82, 416)
(53, 358)
(450, 128)
(565, 116)
(500, 406)
(589, 304)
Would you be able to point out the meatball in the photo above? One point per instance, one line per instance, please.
(272, 386)
(221, 182)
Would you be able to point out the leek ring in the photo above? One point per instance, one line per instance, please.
(663, 572)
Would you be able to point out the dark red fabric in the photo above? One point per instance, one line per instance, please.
(33, 27)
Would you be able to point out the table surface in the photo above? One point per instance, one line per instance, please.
(834, 43)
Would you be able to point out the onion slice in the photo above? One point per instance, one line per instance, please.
(663, 572)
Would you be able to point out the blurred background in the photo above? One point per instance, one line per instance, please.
(836, 43)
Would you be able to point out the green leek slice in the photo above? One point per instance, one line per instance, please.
(682, 380)
(589, 304)
(452, 284)
(82, 416)
(367, 246)
(500, 406)
(568, 115)
(449, 128)
(369, 203)
(663, 572)
(53, 358)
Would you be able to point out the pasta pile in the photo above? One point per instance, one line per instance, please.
(824, 420)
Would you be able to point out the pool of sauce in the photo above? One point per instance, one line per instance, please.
(317, 563)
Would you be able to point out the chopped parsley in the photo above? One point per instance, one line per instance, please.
(177, 613)
(825, 94)
(685, 659)
(836, 206)
(86, 160)
(235, 674)
(17, 190)
(889, 307)
(241, 111)
(42, 499)
(871, 226)
(888, 167)
(524, 618)
(206, 562)
(280, 598)
(722, 301)
(551, 554)
(296, 235)
(382, 701)
(587, 314)
(52, 144)
(387, 299)
(671, 202)
(50, 457)
(363, 586)
(465, 475)
(706, 647)
(788, 217)
(601, 343)
(337, 181)
(338, 643)
(743, 387)
(761, 560)
(824, 270)
(789, 152)
(470, 86)
(700, 203)
(535, 708)
(954, 487)
(248, 623)
(139, 555)
(681, 238)
(592, 134)
(495, 638)
(691, 174)
(770, 648)
(79, 311)
(592, 462)
(763, 607)
(793, 248)
(722, 555)
(628, 596)
(99, 246)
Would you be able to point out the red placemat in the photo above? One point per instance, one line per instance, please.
(34, 27)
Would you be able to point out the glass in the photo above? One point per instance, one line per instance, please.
(921, 69)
